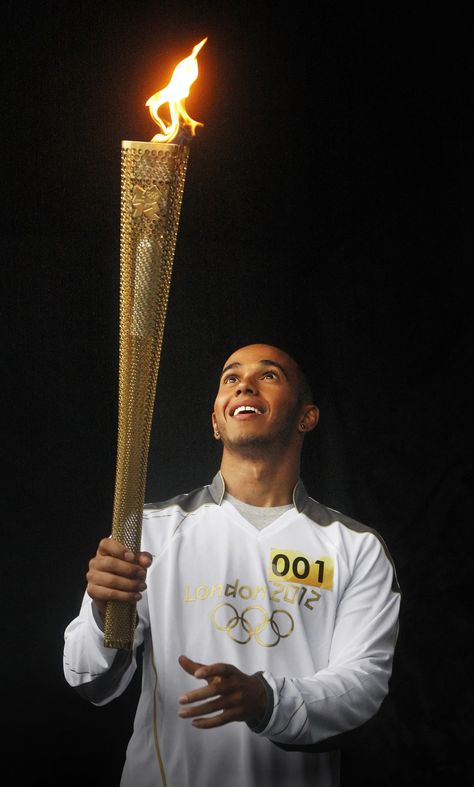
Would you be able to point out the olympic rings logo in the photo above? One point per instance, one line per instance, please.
(254, 621)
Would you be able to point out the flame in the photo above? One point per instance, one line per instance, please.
(175, 94)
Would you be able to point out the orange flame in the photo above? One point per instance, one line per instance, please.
(175, 94)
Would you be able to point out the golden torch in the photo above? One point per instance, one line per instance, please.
(152, 183)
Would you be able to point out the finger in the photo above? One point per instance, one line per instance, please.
(145, 559)
(188, 665)
(112, 565)
(215, 670)
(113, 548)
(110, 546)
(105, 586)
(214, 706)
(212, 689)
(142, 558)
(116, 582)
(103, 594)
(210, 722)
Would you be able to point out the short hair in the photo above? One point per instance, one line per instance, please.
(305, 391)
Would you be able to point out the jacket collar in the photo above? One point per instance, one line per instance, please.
(217, 491)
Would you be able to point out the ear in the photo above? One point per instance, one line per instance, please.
(309, 419)
(214, 427)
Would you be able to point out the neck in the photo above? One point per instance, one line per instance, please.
(260, 481)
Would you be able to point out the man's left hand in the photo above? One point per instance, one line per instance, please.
(230, 694)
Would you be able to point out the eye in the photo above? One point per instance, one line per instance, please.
(270, 375)
(230, 378)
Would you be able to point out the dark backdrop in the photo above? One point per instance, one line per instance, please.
(327, 209)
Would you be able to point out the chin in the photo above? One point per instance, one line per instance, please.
(250, 442)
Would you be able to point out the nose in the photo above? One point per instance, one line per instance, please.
(247, 385)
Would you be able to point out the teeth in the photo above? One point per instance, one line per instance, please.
(246, 409)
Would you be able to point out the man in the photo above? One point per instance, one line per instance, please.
(260, 607)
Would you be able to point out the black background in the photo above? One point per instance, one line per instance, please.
(327, 209)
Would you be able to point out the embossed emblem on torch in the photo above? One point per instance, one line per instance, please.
(152, 183)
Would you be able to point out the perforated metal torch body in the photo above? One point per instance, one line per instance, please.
(152, 184)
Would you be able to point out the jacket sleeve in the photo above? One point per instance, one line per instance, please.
(350, 690)
(99, 674)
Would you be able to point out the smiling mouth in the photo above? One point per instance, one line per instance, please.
(246, 410)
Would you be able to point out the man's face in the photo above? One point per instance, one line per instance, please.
(257, 404)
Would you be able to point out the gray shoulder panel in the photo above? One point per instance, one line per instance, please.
(323, 516)
(188, 502)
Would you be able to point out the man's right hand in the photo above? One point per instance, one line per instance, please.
(116, 574)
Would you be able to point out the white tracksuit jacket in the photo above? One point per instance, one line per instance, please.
(311, 601)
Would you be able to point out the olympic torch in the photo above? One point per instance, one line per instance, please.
(152, 182)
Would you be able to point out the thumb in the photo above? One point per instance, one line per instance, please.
(188, 665)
